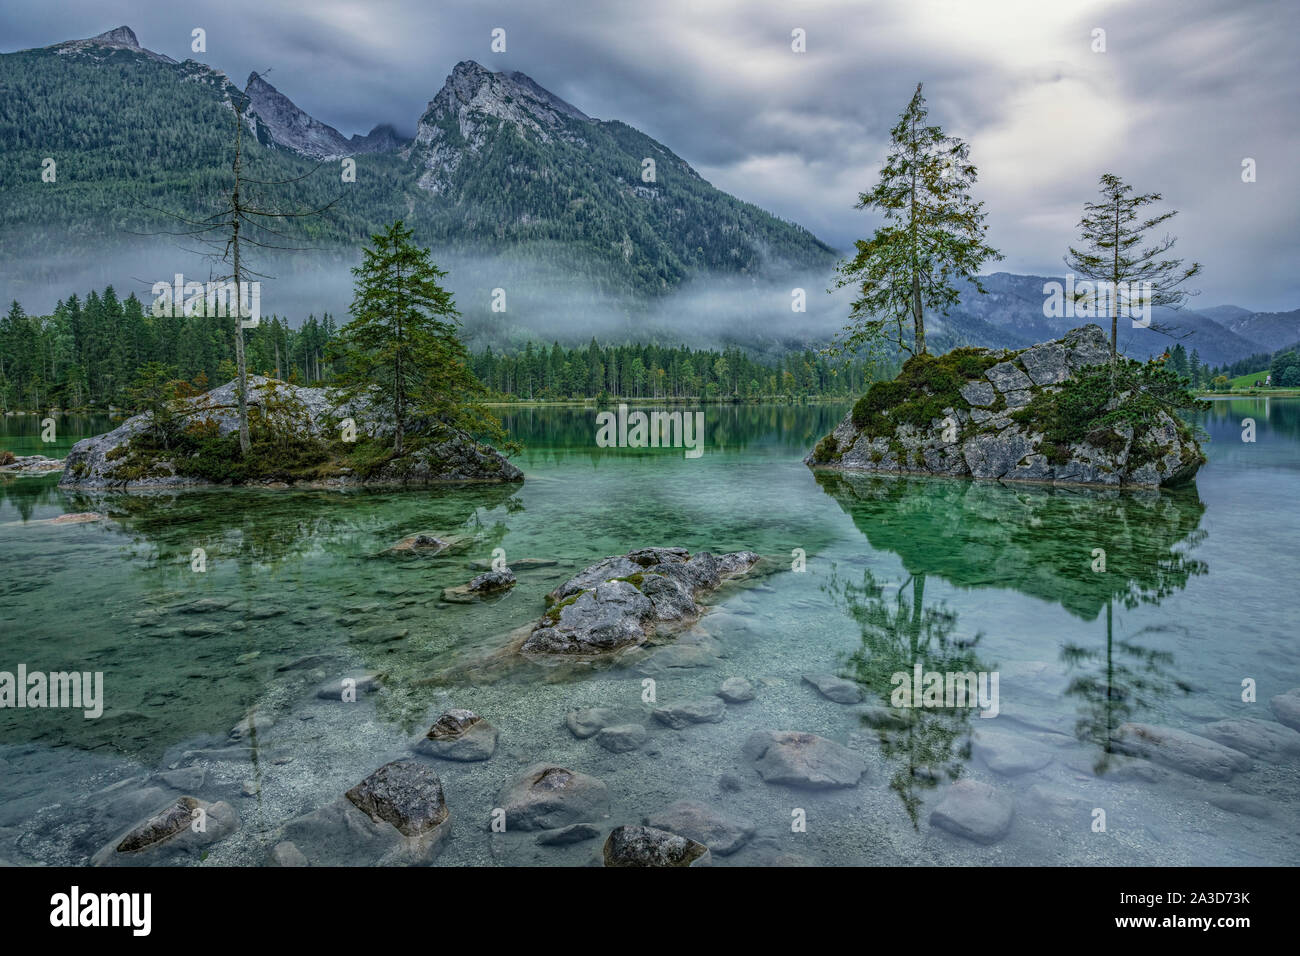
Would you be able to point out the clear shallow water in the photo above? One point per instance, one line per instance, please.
(1198, 595)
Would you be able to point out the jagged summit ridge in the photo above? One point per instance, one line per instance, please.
(123, 36)
(471, 103)
(118, 38)
(293, 128)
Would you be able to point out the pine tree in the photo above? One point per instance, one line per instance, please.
(932, 237)
(1135, 278)
(402, 342)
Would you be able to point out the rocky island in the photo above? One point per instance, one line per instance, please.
(1059, 412)
(300, 436)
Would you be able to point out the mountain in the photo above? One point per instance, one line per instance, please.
(281, 122)
(119, 38)
(499, 169)
(1223, 314)
(1014, 306)
(594, 228)
(1270, 330)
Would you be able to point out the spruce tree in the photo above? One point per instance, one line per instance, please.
(1136, 278)
(402, 343)
(933, 236)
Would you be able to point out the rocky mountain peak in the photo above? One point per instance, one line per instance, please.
(514, 97)
(473, 96)
(290, 126)
(118, 36)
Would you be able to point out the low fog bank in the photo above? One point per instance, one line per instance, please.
(546, 294)
(505, 300)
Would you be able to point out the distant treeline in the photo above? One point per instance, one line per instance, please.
(1275, 363)
(654, 371)
(87, 352)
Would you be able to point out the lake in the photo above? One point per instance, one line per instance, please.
(862, 578)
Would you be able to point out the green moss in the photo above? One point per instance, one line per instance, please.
(1056, 454)
(553, 615)
(1081, 410)
(827, 449)
(632, 579)
(926, 386)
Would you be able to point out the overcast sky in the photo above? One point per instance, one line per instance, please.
(1185, 90)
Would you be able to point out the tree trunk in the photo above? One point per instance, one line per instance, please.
(917, 318)
(400, 388)
(241, 387)
(1114, 294)
(918, 321)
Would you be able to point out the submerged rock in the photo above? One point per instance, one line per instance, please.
(736, 690)
(422, 542)
(974, 810)
(404, 793)
(1287, 707)
(1254, 737)
(722, 833)
(459, 735)
(184, 826)
(703, 710)
(546, 797)
(1008, 754)
(251, 726)
(835, 688)
(622, 738)
(285, 853)
(566, 836)
(353, 687)
(803, 760)
(982, 414)
(1180, 750)
(646, 846)
(620, 601)
(396, 816)
(586, 722)
(489, 584)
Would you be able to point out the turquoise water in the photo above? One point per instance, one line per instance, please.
(1197, 596)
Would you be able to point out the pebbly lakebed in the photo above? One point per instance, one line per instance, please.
(300, 590)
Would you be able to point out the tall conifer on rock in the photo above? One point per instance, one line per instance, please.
(402, 346)
(1137, 278)
(933, 236)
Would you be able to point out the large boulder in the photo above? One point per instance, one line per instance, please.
(304, 413)
(986, 414)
